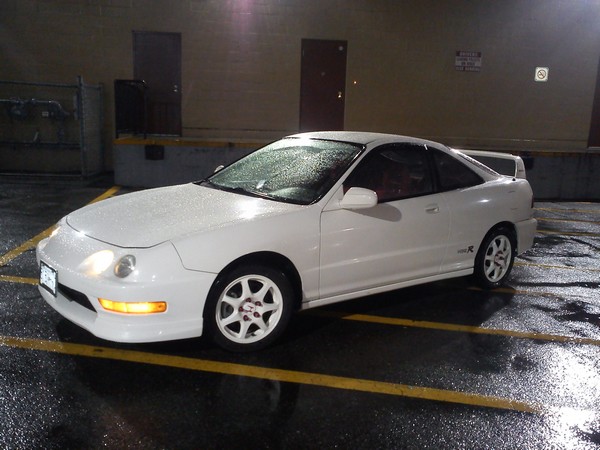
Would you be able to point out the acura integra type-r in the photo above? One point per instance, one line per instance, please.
(309, 220)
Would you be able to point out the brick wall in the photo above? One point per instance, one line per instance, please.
(241, 62)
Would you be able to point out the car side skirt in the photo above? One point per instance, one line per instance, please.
(378, 290)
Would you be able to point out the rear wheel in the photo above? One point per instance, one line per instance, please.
(495, 258)
(249, 308)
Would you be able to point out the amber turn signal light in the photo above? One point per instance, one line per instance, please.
(133, 307)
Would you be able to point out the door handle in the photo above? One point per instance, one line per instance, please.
(432, 209)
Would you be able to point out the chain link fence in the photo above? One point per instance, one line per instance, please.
(51, 128)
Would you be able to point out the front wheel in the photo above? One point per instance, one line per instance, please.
(495, 258)
(249, 308)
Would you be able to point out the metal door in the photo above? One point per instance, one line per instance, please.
(322, 85)
(157, 61)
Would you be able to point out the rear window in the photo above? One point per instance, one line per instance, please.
(452, 173)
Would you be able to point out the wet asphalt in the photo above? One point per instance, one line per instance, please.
(444, 365)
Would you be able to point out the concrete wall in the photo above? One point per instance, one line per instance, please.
(241, 62)
(565, 176)
(163, 162)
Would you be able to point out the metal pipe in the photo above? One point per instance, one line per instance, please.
(19, 106)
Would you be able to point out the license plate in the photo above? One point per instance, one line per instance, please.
(48, 278)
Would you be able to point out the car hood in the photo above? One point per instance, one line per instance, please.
(147, 218)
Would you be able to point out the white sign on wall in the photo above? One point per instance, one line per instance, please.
(541, 74)
(467, 61)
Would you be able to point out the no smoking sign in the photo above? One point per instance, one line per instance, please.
(541, 74)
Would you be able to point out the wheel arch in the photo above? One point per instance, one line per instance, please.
(275, 261)
(492, 272)
(507, 225)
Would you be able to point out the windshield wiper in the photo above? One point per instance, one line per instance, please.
(236, 190)
(254, 193)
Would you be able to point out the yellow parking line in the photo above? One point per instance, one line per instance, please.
(418, 324)
(549, 219)
(316, 379)
(31, 243)
(566, 210)
(550, 266)
(513, 291)
(289, 376)
(21, 280)
(109, 193)
(506, 290)
(453, 327)
(568, 233)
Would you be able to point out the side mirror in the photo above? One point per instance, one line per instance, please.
(358, 198)
(218, 168)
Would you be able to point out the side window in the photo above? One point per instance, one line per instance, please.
(394, 172)
(452, 174)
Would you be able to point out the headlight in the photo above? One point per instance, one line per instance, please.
(125, 266)
(98, 262)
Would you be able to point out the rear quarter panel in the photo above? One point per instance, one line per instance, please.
(475, 211)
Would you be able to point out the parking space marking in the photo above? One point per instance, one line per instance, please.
(549, 219)
(31, 243)
(454, 327)
(416, 323)
(307, 378)
(27, 245)
(20, 280)
(566, 210)
(282, 375)
(419, 324)
(551, 266)
(109, 193)
(513, 291)
(569, 233)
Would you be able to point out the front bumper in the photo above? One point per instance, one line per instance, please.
(161, 277)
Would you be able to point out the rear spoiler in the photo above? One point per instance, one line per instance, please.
(515, 169)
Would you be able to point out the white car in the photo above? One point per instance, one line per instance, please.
(309, 220)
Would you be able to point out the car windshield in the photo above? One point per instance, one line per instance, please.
(294, 170)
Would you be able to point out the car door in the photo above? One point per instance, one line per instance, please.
(402, 238)
(472, 206)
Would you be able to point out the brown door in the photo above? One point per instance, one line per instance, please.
(322, 85)
(594, 139)
(157, 61)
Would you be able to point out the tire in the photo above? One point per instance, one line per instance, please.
(249, 308)
(495, 258)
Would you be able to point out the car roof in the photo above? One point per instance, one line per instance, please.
(362, 137)
(371, 139)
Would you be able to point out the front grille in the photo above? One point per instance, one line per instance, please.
(75, 296)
